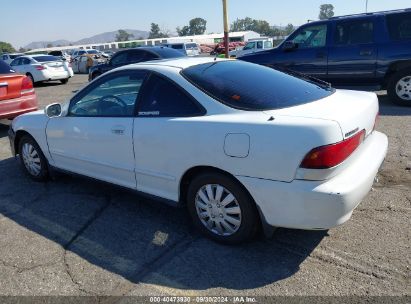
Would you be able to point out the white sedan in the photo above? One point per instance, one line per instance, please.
(241, 145)
(43, 68)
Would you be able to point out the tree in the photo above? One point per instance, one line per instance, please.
(326, 11)
(249, 24)
(6, 47)
(288, 29)
(122, 35)
(155, 32)
(196, 26)
(49, 45)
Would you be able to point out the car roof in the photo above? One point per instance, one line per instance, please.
(182, 62)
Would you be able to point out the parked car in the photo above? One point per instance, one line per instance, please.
(77, 53)
(241, 145)
(83, 63)
(253, 46)
(186, 48)
(107, 54)
(17, 94)
(60, 54)
(135, 55)
(8, 58)
(362, 50)
(43, 68)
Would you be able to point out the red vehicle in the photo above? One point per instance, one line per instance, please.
(17, 94)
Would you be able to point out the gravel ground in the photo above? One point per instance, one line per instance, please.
(73, 236)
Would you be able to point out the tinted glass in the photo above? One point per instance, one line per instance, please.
(249, 46)
(177, 46)
(120, 59)
(259, 44)
(111, 96)
(355, 32)
(25, 61)
(56, 53)
(5, 68)
(46, 58)
(162, 98)
(14, 56)
(167, 53)
(251, 87)
(399, 26)
(311, 37)
(135, 56)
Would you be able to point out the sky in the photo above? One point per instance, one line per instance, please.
(46, 20)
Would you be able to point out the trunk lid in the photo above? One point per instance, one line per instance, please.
(10, 86)
(352, 110)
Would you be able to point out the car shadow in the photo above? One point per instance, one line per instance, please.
(4, 128)
(127, 235)
(47, 84)
(388, 108)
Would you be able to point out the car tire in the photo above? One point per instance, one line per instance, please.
(230, 216)
(64, 81)
(399, 88)
(95, 75)
(32, 159)
(31, 77)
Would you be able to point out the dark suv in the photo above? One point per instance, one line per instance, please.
(370, 50)
(135, 55)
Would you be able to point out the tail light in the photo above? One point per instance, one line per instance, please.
(40, 67)
(329, 156)
(27, 86)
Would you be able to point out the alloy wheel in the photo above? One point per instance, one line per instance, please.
(403, 88)
(218, 209)
(31, 159)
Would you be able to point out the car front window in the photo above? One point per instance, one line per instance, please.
(311, 37)
(112, 96)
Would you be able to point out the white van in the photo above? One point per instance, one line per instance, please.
(187, 48)
(253, 46)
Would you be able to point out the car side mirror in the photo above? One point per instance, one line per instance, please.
(53, 110)
(290, 45)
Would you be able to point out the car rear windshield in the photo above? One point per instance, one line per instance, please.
(5, 68)
(45, 58)
(399, 26)
(15, 56)
(251, 87)
(165, 52)
(92, 52)
(177, 46)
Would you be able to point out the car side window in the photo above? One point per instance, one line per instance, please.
(135, 56)
(16, 62)
(25, 61)
(120, 59)
(399, 26)
(112, 96)
(162, 98)
(311, 37)
(354, 32)
(259, 44)
(268, 44)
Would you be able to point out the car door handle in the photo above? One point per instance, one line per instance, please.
(366, 53)
(118, 130)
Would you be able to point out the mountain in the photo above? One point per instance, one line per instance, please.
(100, 38)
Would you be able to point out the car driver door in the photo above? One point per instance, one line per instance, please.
(95, 137)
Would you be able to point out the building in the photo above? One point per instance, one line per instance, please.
(199, 39)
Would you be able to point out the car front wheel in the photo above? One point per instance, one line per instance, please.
(222, 209)
(32, 158)
(399, 88)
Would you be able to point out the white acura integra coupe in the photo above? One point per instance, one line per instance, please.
(242, 145)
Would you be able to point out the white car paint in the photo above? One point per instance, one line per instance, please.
(152, 155)
(253, 46)
(55, 69)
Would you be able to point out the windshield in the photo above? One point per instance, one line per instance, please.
(5, 68)
(251, 87)
(249, 46)
(15, 56)
(168, 53)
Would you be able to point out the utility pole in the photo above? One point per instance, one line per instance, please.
(226, 29)
(366, 6)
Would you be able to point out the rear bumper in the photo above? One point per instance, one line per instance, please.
(55, 75)
(14, 107)
(320, 204)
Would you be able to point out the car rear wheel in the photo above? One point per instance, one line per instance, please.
(222, 209)
(399, 88)
(32, 158)
(95, 75)
(64, 81)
